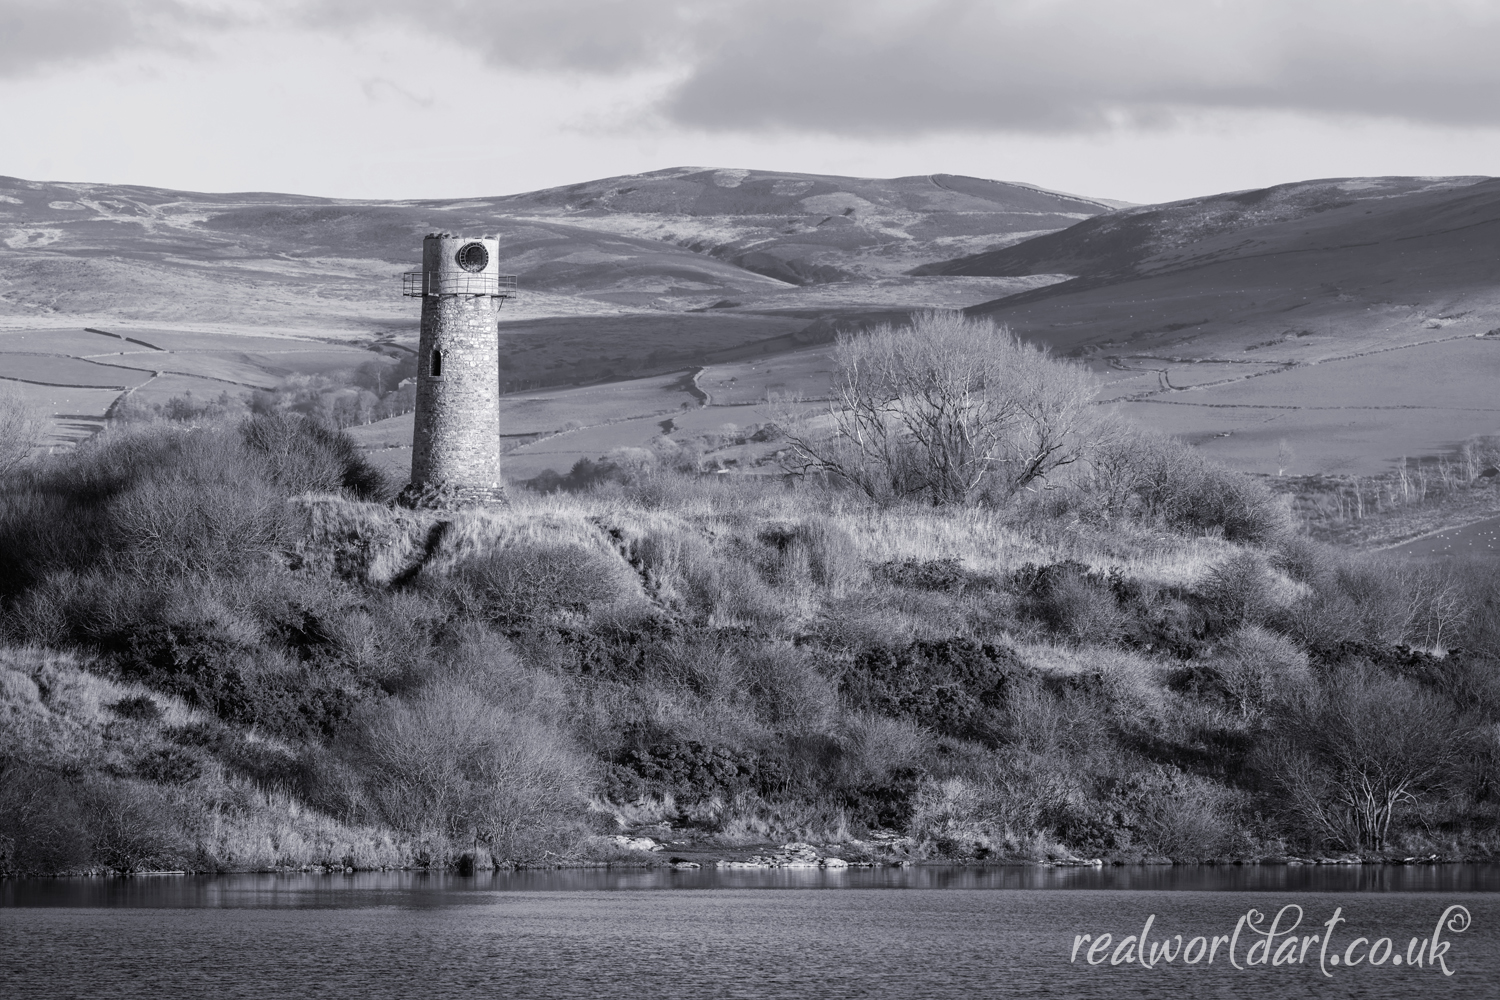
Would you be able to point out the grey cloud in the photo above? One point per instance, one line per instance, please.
(589, 36)
(35, 34)
(906, 67)
(1081, 65)
(912, 66)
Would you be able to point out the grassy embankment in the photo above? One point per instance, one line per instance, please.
(224, 650)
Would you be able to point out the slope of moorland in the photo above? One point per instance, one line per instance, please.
(111, 293)
(1326, 328)
(237, 657)
(222, 648)
(600, 262)
(1322, 327)
(1145, 239)
(806, 228)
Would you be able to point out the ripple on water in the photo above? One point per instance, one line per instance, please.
(907, 933)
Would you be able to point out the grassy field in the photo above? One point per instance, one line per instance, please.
(583, 422)
(44, 369)
(1352, 416)
(713, 430)
(1374, 295)
(152, 366)
(1478, 540)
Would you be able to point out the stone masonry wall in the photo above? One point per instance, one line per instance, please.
(457, 439)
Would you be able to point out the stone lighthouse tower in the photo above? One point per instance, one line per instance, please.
(455, 459)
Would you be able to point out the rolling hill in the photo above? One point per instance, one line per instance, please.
(1325, 326)
(674, 239)
(623, 276)
(1146, 239)
(809, 229)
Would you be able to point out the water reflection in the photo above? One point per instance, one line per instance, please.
(417, 890)
(587, 935)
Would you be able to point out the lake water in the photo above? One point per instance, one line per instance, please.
(901, 933)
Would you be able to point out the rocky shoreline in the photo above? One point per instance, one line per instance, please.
(888, 850)
(791, 856)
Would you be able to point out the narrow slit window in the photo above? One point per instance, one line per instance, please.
(436, 371)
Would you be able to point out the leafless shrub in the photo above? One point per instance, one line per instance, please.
(131, 826)
(1115, 472)
(299, 455)
(1060, 727)
(1303, 559)
(1242, 589)
(1355, 601)
(879, 746)
(1479, 454)
(43, 826)
(1074, 603)
(790, 692)
(1137, 473)
(450, 762)
(187, 523)
(961, 817)
(1439, 607)
(21, 427)
(540, 576)
(1197, 820)
(945, 410)
(1256, 668)
(1369, 746)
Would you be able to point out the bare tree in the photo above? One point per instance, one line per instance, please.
(1372, 745)
(1133, 472)
(1438, 607)
(20, 427)
(946, 409)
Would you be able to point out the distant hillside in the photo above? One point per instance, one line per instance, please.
(675, 239)
(1325, 326)
(1150, 238)
(1356, 253)
(805, 228)
(622, 276)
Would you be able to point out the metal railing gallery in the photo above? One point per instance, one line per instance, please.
(418, 284)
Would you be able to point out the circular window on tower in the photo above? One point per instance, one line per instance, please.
(473, 257)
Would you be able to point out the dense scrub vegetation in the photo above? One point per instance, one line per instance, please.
(225, 649)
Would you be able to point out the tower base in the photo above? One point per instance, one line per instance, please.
(450, 496)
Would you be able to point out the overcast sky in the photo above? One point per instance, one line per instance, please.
(1140, 101)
